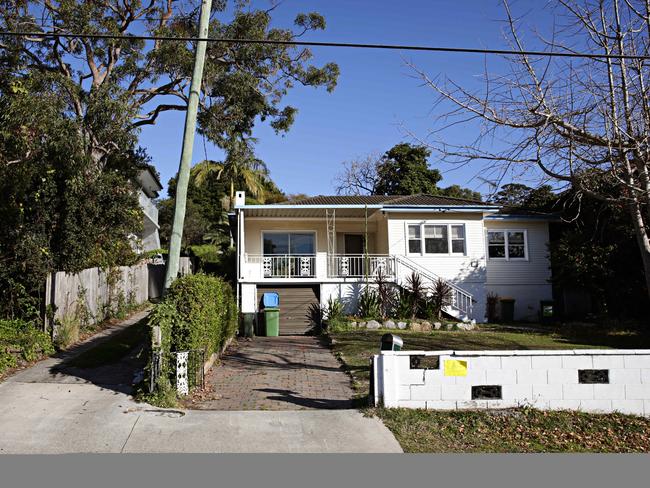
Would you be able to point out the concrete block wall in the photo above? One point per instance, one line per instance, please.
(587, 380)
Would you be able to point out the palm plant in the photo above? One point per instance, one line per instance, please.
(442, 295)
(240, 167)
(385, 294)
(417, 293)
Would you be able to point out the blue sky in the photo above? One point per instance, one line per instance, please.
(378, 101)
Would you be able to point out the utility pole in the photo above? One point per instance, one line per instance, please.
(188, 145)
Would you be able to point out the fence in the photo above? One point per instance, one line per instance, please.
(588, 380)
(184, 369)
(94, 294)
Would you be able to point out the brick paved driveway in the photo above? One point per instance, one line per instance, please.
(276, 373)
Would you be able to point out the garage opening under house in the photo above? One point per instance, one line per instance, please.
(330, 246)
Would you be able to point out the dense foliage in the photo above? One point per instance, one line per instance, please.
(61, 207)
(21, 341)
(592, 247)
(402, 170)
(198, 312)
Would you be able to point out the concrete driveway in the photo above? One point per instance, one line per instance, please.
(51, 409)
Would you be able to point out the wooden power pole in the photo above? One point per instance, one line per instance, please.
(188, 145)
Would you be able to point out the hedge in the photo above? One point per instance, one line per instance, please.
(198, 312)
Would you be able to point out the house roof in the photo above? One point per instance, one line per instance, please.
(149, 182)
(418, 200)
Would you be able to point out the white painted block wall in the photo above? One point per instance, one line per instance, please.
(544, 379)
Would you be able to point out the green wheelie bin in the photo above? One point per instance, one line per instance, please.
(271, 302)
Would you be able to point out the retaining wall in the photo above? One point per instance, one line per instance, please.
(600, 380)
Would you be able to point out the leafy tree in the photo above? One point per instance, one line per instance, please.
(457, 191)
(58, 211)
(242, 83)
(402, 170)
(595, 249)
(519, 195)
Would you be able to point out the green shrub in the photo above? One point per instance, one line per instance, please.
(339, 324)
(333, 309)
(21, 340)
(198, 312)
(368, 304)
(206, 258)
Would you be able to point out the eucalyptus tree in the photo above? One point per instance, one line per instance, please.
(119, 85)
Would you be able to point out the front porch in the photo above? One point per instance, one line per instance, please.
(320, 267)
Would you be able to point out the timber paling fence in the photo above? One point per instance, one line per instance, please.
(93, 294)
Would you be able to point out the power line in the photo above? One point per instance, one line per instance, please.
(400, 47)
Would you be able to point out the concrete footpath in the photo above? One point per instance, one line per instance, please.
(47, 409)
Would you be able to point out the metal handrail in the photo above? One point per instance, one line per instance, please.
(463, 301)
(360, 265)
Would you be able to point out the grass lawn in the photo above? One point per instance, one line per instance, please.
(357, 346)
(113, 349)
(519, 430)
(515, 430)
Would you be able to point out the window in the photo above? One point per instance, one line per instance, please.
(496, 244)
(507, 244)
(516, 245)
(288, 243)
(435, 239)
(415, 242)
(458, 239)
(438, 239)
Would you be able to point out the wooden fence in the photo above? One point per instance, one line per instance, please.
(94, 294)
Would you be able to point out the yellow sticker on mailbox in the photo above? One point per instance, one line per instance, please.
(455, 367)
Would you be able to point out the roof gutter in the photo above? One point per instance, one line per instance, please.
(520, 217)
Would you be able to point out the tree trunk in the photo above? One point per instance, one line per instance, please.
(642, 240)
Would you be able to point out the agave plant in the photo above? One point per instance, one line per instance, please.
(368, 303)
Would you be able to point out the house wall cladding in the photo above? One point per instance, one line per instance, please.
(535, 270)
(587, 380)
(456, 268)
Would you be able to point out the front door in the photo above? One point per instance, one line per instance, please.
(353, 244)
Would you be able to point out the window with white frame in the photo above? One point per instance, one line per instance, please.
(507, 244)
(414, 239)
(438, 239)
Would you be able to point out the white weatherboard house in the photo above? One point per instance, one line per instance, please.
(148, 188)
(313, 249)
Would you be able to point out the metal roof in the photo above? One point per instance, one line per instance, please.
(421, 199)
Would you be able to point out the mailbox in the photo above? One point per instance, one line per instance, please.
(391, 342)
